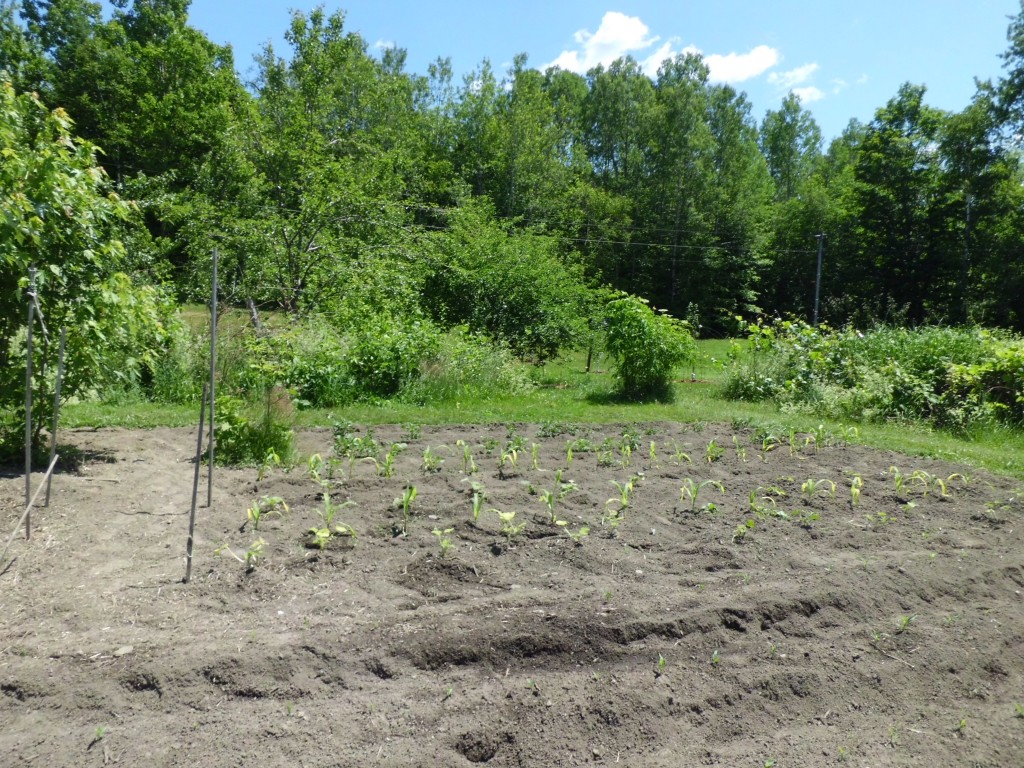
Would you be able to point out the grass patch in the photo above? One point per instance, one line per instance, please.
(563, 392)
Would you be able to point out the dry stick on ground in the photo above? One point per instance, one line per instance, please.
(35, 496)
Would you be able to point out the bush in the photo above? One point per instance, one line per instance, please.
(952, 377)
(241, 439)
(466, 366)
(646, 347)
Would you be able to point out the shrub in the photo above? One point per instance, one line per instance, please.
(465, 366)
(241, 439)
(646, 346)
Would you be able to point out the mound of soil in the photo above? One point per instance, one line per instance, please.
(781, 623)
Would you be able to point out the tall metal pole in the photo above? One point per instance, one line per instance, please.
(817, 280)
(213, 373)
(28, 396)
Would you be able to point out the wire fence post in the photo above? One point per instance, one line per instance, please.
(195, 487)
(213, 373)
(28, 399)
(56, 406)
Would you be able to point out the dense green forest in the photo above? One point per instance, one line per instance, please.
(403, 216)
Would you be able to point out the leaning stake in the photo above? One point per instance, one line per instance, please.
(56, 406)
(195, 488)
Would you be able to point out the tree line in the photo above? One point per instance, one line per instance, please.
(337, 182)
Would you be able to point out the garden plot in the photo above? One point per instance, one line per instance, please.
(666, 595)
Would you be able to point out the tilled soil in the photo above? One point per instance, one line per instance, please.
(890, 632)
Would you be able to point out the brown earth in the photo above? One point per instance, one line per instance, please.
(890, 633)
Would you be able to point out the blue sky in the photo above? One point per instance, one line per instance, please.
(845, 58)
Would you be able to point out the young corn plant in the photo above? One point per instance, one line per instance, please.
(404, 502)
(509, 529)
(268, 505)
(713, 452)
(898, 479)
(478, 499)
(432, 462)
(468, 462)
(576, 536)
(678, 455)
(742, 530)
(534, 465)
(810, 487)
(741, 451)
(444, 540)
(856, 484)
(551, 498)
(270, 460)
(252, 557)
(691, 490)
(509, 458)
(386, 468)
(327, 529)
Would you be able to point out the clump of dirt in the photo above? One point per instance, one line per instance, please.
(768, 619)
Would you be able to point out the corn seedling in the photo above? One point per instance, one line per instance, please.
(322, 533)
(897, 478)
(386, 468)
(679, 456)
(509, 528)
(468, 462)
(266, 506)
(551, 498)
(960, 729)
(568, 455)
(1018, 711)
(660, 669)
(253, 555)
(715, 658)
(315, 467)
(930, 482)
(741, 451)
(903, 623)
(478, 503)
(713, 452)
(855, 487)
(412, 431)
(810, 487)
(270, 460)
(807, 518)
(405, 503)
(444, 540)
(653, 453)
(691, 490)
(431, 461)
(843, 754)
(578, 535)
(625, 490)
(533, 457)
(740, 532)
(509, 457)
(627, 455)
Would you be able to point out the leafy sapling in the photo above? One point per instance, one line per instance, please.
(509, 528)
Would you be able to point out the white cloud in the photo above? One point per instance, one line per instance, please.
(382, 45)
(617, 36)
(839, 85)
(809, 94)
(862, 79)
(737, 67)
(621, 35)
(789, 80)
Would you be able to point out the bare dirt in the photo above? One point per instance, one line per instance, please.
(887, 633)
